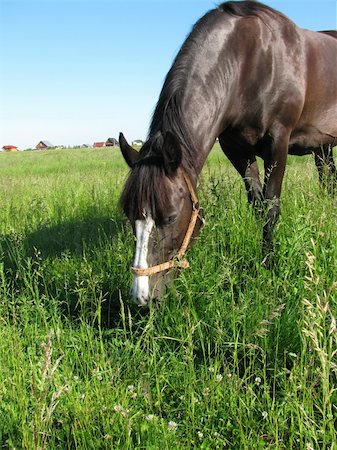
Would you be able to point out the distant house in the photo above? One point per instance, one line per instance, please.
(138, 142)
(112, 142)
(99, 144)
(9, 148)
(43, 145)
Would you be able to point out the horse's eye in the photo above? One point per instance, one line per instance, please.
(169, 220)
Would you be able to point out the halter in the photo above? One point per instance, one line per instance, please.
(178, 261)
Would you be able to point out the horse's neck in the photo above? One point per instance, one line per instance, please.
(204, 123)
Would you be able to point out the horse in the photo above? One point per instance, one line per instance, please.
(265, 87)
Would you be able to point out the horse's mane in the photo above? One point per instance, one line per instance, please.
(249, 8)
(168, 115)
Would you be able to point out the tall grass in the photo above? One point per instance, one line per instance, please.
(235, 356)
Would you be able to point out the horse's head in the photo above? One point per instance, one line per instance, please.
(160, 201)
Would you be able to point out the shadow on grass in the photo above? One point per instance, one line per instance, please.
(72, 236)
(50, 241)
(76, 264)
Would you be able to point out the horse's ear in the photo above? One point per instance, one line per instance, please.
(171, 153)
(131, 155)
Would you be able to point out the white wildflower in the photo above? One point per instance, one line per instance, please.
(150, 417)
(125, 412)
(258, 381)
(172, 425)
(206, 392)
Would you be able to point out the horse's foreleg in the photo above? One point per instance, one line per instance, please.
(274, 165)
(319, 154)
(253, 184)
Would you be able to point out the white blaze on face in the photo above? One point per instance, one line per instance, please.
(140, 286)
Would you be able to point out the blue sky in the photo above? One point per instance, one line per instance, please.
(79, 71)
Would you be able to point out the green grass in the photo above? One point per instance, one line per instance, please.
(235, 356)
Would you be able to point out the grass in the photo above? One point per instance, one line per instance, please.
(235, 356)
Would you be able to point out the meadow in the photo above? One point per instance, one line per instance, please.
(235, 356)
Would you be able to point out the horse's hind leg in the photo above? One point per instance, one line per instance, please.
(325, 164)
(244, 161)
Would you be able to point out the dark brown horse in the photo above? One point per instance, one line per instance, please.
(250, 76)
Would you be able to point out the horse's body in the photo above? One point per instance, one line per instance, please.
(251, 77)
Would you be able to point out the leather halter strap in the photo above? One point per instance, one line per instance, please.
(178, 261)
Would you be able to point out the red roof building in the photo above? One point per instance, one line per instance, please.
(9, 148)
